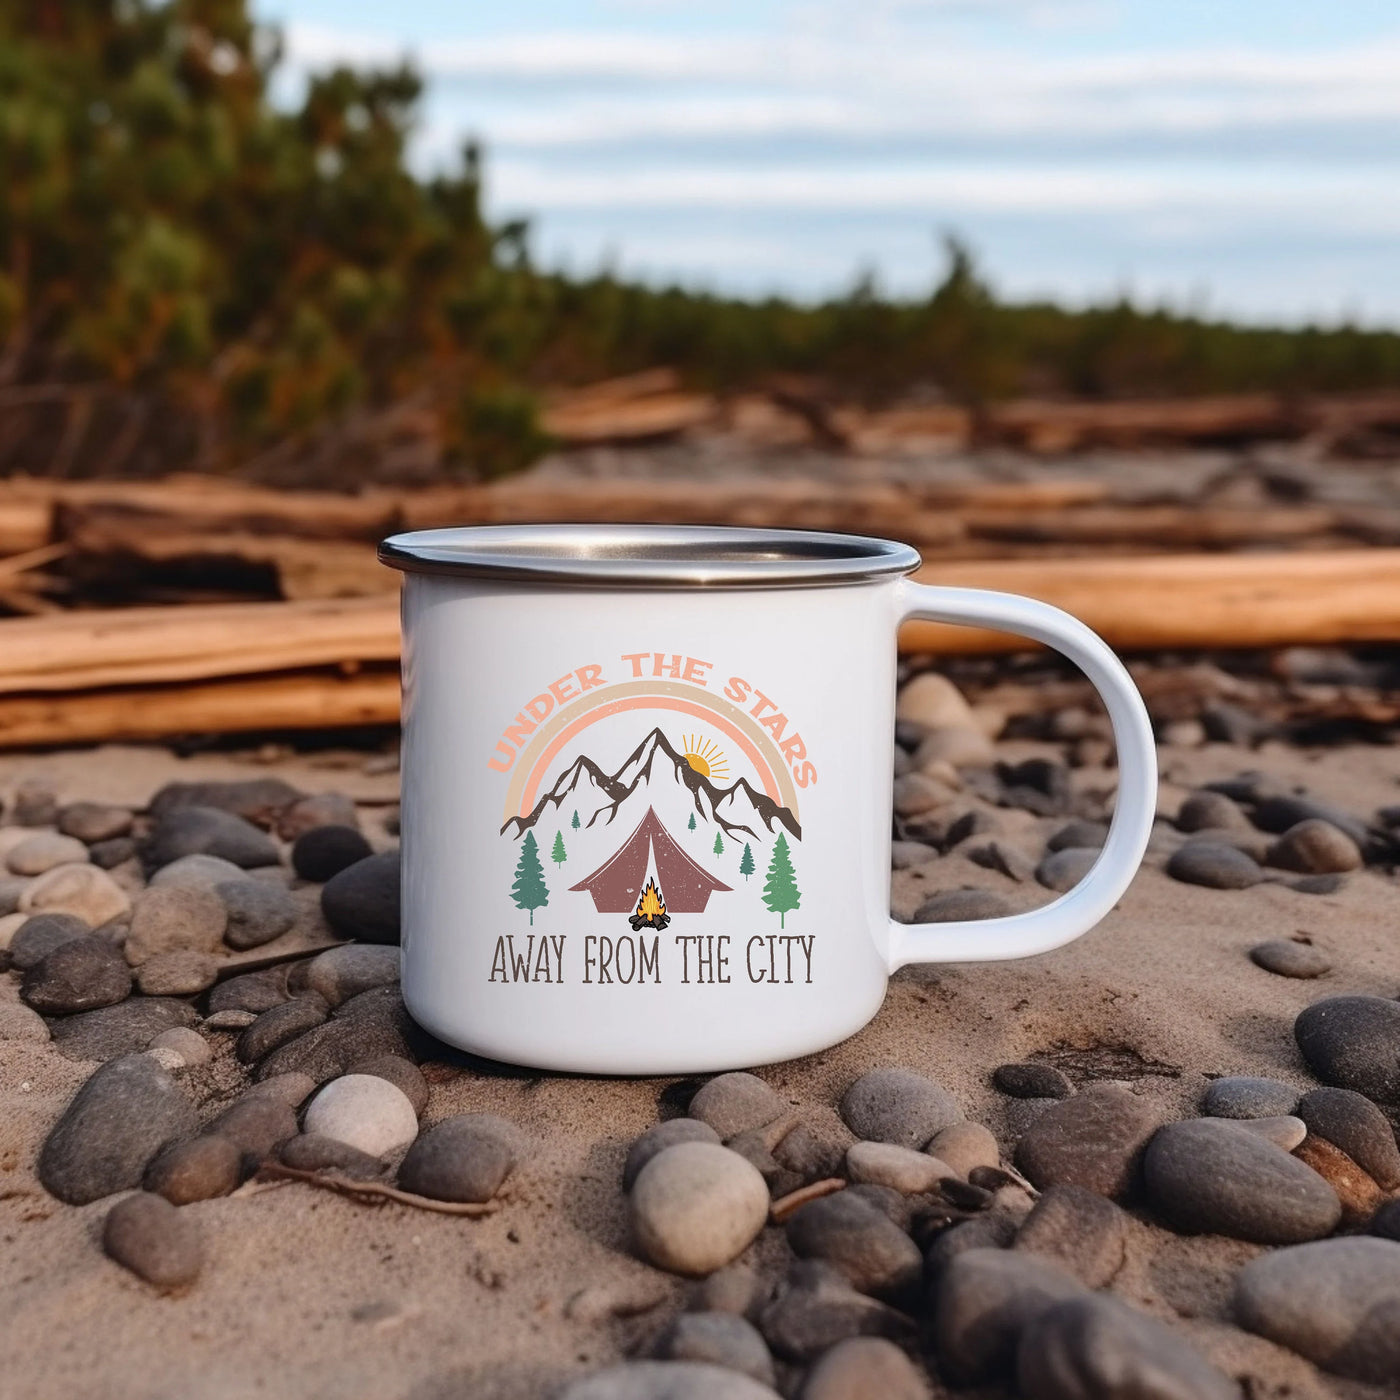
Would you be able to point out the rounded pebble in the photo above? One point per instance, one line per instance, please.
(965, 1146)
(1288, 958)
(1353, 1042)
(40, 934)
(324, 851)
(658, 1139)
(1078, 835)
(78, 975)
(179, 972)
(719, 1338)
(1211, 1176)
(1062, 870)
(188, 1044)
(169, 917)
(320, 809)
(1335, 1302)
(122, 1029)
(107, 855)
(1353, 1123)
(467, 1158)
(256, 1125)
(1096, 1348)
(860, 1240)
(195, 1170)
(1080, 1230)
(156, 1241)
(667, 1380)
(280, 1025)
(42, 851)
(1095, 1140)
(254, 799)
(1029, 1080)
(1315, 847)
(900, 1168)
(1248, 1096)
(256, 912)
(82, 890)
(194, 830)
(403, 1074)
(92, 822)
(19, 1022)
(201, 871)
(363, 1111)
(736, 1102)
(308, 1152)
(363, 900)
(1217, 867)
(115, 1124)
(1211, 811)
(864, 1368)
(899, 1106)
(1283, 1131)
(696, 1206)
(341, 973)
(956, 906)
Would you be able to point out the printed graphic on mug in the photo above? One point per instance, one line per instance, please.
(657, 791)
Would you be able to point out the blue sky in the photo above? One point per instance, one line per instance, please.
(1236, 156)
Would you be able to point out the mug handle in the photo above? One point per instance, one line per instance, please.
(1076, 912)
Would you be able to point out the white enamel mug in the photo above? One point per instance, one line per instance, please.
(647, 790)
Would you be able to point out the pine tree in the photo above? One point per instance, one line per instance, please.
(558, 854)
(690, 825)
(746, 865)
(529, 888)
(780, 893)
(574, 823)
(719, 844)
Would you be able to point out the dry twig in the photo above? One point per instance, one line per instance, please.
(376, 1192)
(785, 1206)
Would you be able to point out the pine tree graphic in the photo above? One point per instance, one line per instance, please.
(558, 855)
(719, 844)
(690, 825)
(529, 887)
(780, 893)
(574, 823)
(746, 865)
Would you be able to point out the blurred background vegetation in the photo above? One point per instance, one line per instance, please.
(192, 277)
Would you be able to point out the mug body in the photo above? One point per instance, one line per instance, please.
(645, 830)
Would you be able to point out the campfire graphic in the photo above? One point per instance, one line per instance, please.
(651, 910)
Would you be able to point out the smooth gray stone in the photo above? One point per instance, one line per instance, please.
(258, 912)
(464, 1158)
(363, 901)
(157, 1242)
(1212, 1176)
(1336, 1302)
(257, 800)
(38, 936)
(111, 1129)
(1095, 1139)
(1029, 1080)
(320, 809)
(992, 1229)
(667, 1380)
(1350, 1121)
(257, 1125)
(80, 974)
(252, 991)
(1083, 1232)
(1285, 958)
(1353, 1042)
(719, 1338)
(1278, 813)
(954, 906)
(324, 851)
(736, 1102)
(1216, 866)
(122, 1029)
(341, 973)
(1386, 1221)
(92, 822)
(107, 855)
(1248, 1096)
(1003, 858)
(1063, 870)
(1315, 847)
(815, 1307)
(1096, 1348)
(373, 1023)
(899, 1106)
(202, 871)
(865, 1368)
(985, 1300)
(310, 1152)
(197, 1169)
(280, 1025)
(1211, 811)
(860, 1240)
(732, 1289)
(1078, 835)
(188, 831)
(658, 1139)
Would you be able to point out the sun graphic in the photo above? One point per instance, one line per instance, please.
(704, 756)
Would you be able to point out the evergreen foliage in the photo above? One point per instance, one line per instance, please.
(529, 890)
(780, 892)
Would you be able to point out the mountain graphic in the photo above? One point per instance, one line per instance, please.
(584, 785)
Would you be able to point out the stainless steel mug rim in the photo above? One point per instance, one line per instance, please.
(649, 556)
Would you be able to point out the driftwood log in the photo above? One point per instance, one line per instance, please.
(145, 673)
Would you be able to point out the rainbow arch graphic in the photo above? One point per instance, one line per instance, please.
(534, 761)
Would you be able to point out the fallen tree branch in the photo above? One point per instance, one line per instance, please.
(376, 1192)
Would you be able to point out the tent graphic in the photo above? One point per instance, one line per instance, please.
(617, 884)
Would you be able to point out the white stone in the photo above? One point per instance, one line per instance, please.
(961, 745)
(696, 1207)
(191, 1047)
(363, 1111)
(167, 1058)
(933, 700)
(42, 851)
(84, 890)
(901, 1168)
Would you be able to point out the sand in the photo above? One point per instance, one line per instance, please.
(308, 1295)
